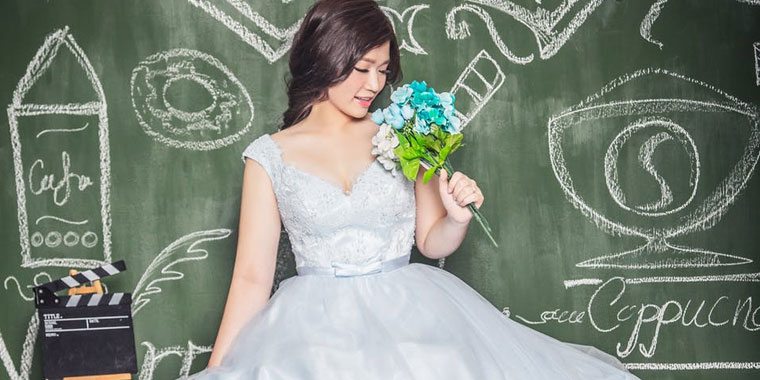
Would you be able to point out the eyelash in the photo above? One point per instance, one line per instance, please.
(386, 72)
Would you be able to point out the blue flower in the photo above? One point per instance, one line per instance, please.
(377, 116)
(421, 126)
(392, 116)
(407, 111)
(447, 98)
(418, 86)
(454, 125)
(402, 94)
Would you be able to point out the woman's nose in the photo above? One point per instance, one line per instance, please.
(373, 81)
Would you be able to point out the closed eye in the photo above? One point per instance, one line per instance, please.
(384, 72)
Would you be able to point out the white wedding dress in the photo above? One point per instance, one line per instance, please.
(359, 310)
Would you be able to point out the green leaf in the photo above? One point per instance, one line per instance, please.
(410, 168)
(428, 174)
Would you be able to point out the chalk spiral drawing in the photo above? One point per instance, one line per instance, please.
(159, 270)
(407, 18)
(645, 29)
(551, 28)
(81, 229)
(153, 358)
(657, 252)
(220, 123)
(253, 21)
(481, 73)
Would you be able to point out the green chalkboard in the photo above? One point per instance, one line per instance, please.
(616, 143)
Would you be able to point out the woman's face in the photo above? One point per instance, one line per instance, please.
(354, 95)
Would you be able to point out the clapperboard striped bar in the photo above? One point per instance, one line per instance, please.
(86, 334)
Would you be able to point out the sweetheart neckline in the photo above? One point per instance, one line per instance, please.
(352, 189)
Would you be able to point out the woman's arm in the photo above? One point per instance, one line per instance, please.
(255, 260)
(442, 214)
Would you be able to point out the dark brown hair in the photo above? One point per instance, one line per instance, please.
(332, 38)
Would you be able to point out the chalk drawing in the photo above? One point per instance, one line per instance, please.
(476, 85)
(658, 252)
(27, 353)
(38, 280)
(28, 127)
(552, 28)
(407, 18)
(153, 358)
(692, 366)
(159, 270)
(738, 277)
(220, 123)
(221, 11)
(645, 29)
(756, 50)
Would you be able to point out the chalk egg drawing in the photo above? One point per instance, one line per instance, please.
(188, 99)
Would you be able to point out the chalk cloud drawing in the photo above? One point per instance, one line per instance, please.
(153, 358)
(476, 85)
(664, 218)
(226, 11)
(27, 353)
(160, 269)
(221, 122)
(756, 50)
(552, 28)
(407, 18)
(645, 29)
(45, 186)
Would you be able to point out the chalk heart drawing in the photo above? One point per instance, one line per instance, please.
(186, 248)
(53, 231)
(225, 111)
(665, 126)
(407, 18)
(238, 17)
(552, 28)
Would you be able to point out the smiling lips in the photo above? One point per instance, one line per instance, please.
(364, 101)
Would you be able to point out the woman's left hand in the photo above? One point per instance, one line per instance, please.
(456, 193)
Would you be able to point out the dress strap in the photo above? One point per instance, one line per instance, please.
(349, 270)
(264, 151)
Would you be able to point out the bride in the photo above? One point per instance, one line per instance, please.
(357, 308)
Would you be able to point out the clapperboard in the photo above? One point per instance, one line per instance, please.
(85, 334)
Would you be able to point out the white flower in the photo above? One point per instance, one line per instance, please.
(383, 144)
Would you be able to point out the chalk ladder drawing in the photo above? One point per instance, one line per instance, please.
(406, 18)
(222, 121)
(551, 28)
(219, 10)
(89, 229)
(756, 51)
(645, 29)
(657, 251)
(477, 83)
(153, 358)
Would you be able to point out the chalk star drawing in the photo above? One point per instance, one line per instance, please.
(406, 18)
(551, 28)
(224, 120)
(649, 117)
(253, 21)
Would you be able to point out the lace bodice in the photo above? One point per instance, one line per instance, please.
(375, 221)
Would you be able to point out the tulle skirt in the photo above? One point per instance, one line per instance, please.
(414, 322)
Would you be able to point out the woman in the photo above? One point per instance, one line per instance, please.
(358, 309)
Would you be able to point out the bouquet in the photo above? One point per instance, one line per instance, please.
(420, 129)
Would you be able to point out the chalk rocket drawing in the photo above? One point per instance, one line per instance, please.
(153, 358)
(551, 28)
(225, 12)
(226, 118)
(665, 218)
(476, 85)
(406, 18)
(64, 212)
(159, 270)
(654, 13)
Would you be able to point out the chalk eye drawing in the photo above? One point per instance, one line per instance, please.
(63, 198)
(645, 30)
(756, 51)
(183, 249)
(238, 17)
(25, 362)
(406, 18)
(218, 110)
(552, 28)
(607, 133)
(153, 358)
(476, 85)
